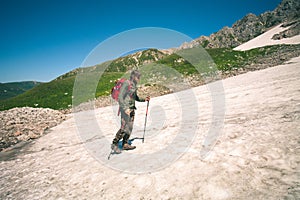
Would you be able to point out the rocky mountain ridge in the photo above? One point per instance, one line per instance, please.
(250, 26)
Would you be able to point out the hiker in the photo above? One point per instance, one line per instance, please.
(126, 99)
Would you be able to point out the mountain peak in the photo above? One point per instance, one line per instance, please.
(252, 25)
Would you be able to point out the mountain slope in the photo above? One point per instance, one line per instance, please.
(9, 90)
(57, 94)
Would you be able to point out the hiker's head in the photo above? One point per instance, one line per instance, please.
(135, 75)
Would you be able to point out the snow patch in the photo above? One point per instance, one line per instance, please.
(265, 39)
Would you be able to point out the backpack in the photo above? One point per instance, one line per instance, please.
(115, 91)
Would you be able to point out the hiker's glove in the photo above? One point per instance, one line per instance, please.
(147, 98)
(127, 112)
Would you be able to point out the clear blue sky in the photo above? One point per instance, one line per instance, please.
(42, 39)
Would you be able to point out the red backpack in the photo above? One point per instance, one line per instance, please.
(115, 91)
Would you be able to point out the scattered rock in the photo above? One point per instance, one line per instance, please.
(23, 124)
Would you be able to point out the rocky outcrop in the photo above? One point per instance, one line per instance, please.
(23, 124)
(248, 27)
(287, 10)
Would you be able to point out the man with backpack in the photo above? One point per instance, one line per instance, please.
(126, 99)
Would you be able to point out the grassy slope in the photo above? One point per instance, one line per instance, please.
(56, 94)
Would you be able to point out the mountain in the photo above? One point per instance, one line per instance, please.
(57, 94)
(122, 64)
(9, 90)
(250, 26)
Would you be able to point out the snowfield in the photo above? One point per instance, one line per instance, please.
(256, 155)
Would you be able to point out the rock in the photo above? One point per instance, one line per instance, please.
(32, 135)
(19, 138)
(22, 124)
(17, 133)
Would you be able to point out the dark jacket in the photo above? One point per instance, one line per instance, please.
(128, 96)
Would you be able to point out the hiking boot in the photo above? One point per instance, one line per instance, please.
(128, 147)
(115, 149)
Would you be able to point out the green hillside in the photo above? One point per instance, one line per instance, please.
(57, 94)
(9, 90)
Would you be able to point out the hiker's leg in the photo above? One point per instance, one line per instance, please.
(120, 134)
(114, 145)
(127, 146)
(124, 127)
(118, 137)
(128, 127)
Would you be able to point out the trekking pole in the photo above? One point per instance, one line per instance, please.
(145, 120)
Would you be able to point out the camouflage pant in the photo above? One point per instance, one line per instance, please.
(126, 127)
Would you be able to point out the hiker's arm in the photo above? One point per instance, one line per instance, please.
(137, 98)
(122, 95)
